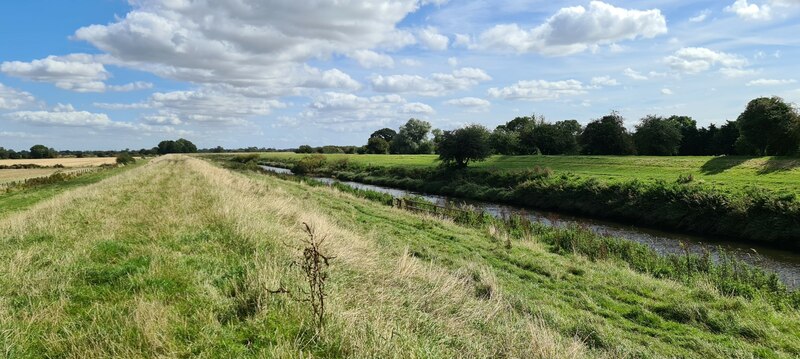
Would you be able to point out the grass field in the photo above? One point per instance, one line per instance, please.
(66, 161)
(780, 174)
(176, 258)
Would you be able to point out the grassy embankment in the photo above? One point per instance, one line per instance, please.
(177, 257)
(16, 199)
(751, 200)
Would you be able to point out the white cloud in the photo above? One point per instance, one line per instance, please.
(411, 62)
(539, 90)
(731, 72)
(771, 82)
(437, 85)
(462, 40)
(432, 39)
(452, 61)
(604, 81)
(65, 115)
(575, 29)
(692, 60)
(629, 72)
(346, 111)
(247, 43)
(701, 16)
(370, 59)
(666, 91)
(472, 104)
(75, 72)
(12, 99)
(748, 11)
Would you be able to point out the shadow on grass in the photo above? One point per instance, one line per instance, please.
(779, 164)
(720, 164)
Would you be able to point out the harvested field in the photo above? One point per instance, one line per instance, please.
(66, 162)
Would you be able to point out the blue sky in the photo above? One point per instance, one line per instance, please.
(113, 74)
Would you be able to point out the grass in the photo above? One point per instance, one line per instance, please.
(732, 173)
(18, 199)
(65, 161)
(176, 258)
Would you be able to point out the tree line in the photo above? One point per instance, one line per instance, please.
(767, 127)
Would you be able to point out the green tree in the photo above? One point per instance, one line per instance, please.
(607, 136)
(387, 134)
(412, 138)
(463, 145)
(503, 141)
(770, 127)
(305, 149)
(42, 151)
(179, 146)
(724, 139)
(658, 136)
(4, 153)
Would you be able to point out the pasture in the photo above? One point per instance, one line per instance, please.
(179, 257)
(732, 173)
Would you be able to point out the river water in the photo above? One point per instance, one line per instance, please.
(785, 263)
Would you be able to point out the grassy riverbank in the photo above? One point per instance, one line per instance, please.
(754, 213)
(178, 257)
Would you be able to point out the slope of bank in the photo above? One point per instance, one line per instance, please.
(752, 214)
(182, 258)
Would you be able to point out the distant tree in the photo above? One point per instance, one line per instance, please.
(551, 138)
(125, 158)
(519, 123)
(377, 145)
(412, 138)
(217, 149)
(607, 136)
(4, 153)
(387, 134)
(463, 145)
(770, 126)
(503, 141)
(305, 149)
(658, 136)
(331, 149)
(42, 151)
(724, 139)
(179, 146)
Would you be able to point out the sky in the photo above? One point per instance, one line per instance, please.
(115, 74)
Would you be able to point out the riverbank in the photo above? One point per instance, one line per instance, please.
(751, 214)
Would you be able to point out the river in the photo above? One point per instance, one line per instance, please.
(785, 263)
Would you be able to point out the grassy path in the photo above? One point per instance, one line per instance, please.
(176, 257)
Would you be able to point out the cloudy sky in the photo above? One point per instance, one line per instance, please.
(111, 74)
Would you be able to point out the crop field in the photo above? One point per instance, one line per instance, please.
(14, 175)
(181, 258)
(731, 172)
(66, 162)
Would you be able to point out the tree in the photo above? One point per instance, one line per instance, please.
(387, 134)
(305, 149)
(41, 151)
(769, 125)
(179, 146)
(4, 153)
(607, 136)
(551, 138)
(466, 144)
(411, 138)
(724, 139)
(658, 136)
(503, 141)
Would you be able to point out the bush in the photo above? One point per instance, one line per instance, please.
(125, 159)
(308, 164)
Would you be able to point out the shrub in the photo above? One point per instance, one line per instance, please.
(125, 159)
(309, 164)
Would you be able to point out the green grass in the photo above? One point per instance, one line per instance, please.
(733, 173)
(175, 259)
(19, 199)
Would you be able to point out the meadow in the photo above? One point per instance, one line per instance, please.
(729, 173)
(179, 257)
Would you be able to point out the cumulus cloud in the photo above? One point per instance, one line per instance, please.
(346, 111)
(432, 39)
(633, 74)
(247, 43)
(12, 99)
(666, 92)
(65, 115)
(539, 90)
(370, 59)
(701, 16)
(693, 60)
(748, 11)
(604, 81)
(436, 85)
(771, 82)
(75, 72)
(575, 29)
(472, 104)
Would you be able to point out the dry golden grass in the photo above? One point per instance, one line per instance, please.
(14, 175)
(66, 161)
